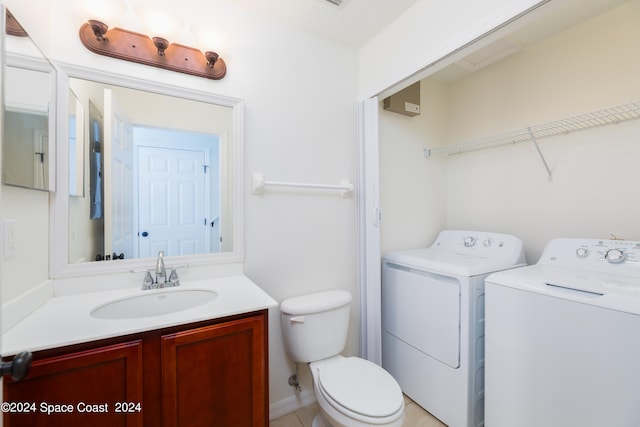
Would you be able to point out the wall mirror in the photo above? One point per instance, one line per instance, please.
(29, 91)
(155, 168)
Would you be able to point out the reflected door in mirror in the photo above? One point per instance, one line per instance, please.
(26, 128)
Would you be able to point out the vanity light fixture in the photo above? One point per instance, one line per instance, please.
(157, 51)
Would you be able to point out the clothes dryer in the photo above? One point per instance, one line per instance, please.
(433, 320)
(563, 338)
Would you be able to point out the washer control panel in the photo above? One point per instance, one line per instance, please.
(611, 256)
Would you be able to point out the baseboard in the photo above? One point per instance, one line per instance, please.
(290, 404)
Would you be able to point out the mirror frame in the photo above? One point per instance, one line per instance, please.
(76, 189)
(59, 209)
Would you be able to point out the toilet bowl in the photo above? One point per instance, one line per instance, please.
(356, 393)
(351, 392)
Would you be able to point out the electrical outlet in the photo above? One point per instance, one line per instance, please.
(9, 238)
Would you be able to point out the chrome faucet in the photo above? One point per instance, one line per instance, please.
(160, 279)
(161, 273)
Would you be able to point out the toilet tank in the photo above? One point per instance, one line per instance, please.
(315, 326)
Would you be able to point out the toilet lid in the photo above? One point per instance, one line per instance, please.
(361, 386)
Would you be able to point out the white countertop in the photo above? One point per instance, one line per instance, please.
(66, 320)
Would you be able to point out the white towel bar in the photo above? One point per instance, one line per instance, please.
(258, 183)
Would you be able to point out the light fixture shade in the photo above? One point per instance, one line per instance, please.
(104, 11)
(208, 37)
(159, 21)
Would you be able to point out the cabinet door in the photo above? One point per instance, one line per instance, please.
(216, 375)
(86, 388)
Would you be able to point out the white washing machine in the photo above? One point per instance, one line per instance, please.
(563, 338)
(433, 320)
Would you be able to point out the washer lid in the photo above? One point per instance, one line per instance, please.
(362, 387)
(616, 292)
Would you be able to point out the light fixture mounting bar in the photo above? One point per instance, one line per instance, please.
(135, 47)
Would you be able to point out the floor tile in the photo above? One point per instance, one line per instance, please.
(414, 416)
(289, 420)
(307, 413)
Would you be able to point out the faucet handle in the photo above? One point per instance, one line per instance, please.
(147, 282)
(173, 278)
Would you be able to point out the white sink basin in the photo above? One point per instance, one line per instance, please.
(154, 304)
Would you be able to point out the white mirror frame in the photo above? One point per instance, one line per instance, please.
(59, 206)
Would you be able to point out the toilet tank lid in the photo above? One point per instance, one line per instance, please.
(315, 303)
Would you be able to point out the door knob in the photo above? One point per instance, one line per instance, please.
(144, 234)
(18, 367)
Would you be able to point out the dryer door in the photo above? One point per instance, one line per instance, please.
(423, 310)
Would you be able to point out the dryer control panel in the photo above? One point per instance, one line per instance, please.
(479, 243)
(607, 256)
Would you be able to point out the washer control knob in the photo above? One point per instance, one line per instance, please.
(469, 241)
(582, 252)
(487, 242)
(615, 256)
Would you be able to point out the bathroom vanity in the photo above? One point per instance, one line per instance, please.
(202, 366)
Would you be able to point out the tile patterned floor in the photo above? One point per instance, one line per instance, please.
(414, 416)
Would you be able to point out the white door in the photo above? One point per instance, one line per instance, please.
(172, 202)
(118, 179)
(369, 232)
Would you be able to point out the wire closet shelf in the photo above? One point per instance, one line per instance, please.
(594, 119)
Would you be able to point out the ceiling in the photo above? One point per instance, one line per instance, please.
(560, 16)
(353, 22)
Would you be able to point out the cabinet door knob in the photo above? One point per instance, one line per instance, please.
(18, 367)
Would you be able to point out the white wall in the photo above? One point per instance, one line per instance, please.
(412, 187)
(30, 265)
(300, 125)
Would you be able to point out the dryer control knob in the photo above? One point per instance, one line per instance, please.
(487, 242)
(469, 241)
(615, 256)
(582, 252)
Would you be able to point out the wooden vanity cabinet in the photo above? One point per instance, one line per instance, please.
(212, 373)
(215, 375)
(78, 388)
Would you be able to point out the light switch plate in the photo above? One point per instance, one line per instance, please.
(9, 240)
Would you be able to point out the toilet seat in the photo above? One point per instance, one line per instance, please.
(361, 390)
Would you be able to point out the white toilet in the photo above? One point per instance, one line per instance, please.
(351, 392)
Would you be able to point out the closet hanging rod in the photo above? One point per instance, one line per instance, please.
(594, 119)
(258, 183)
